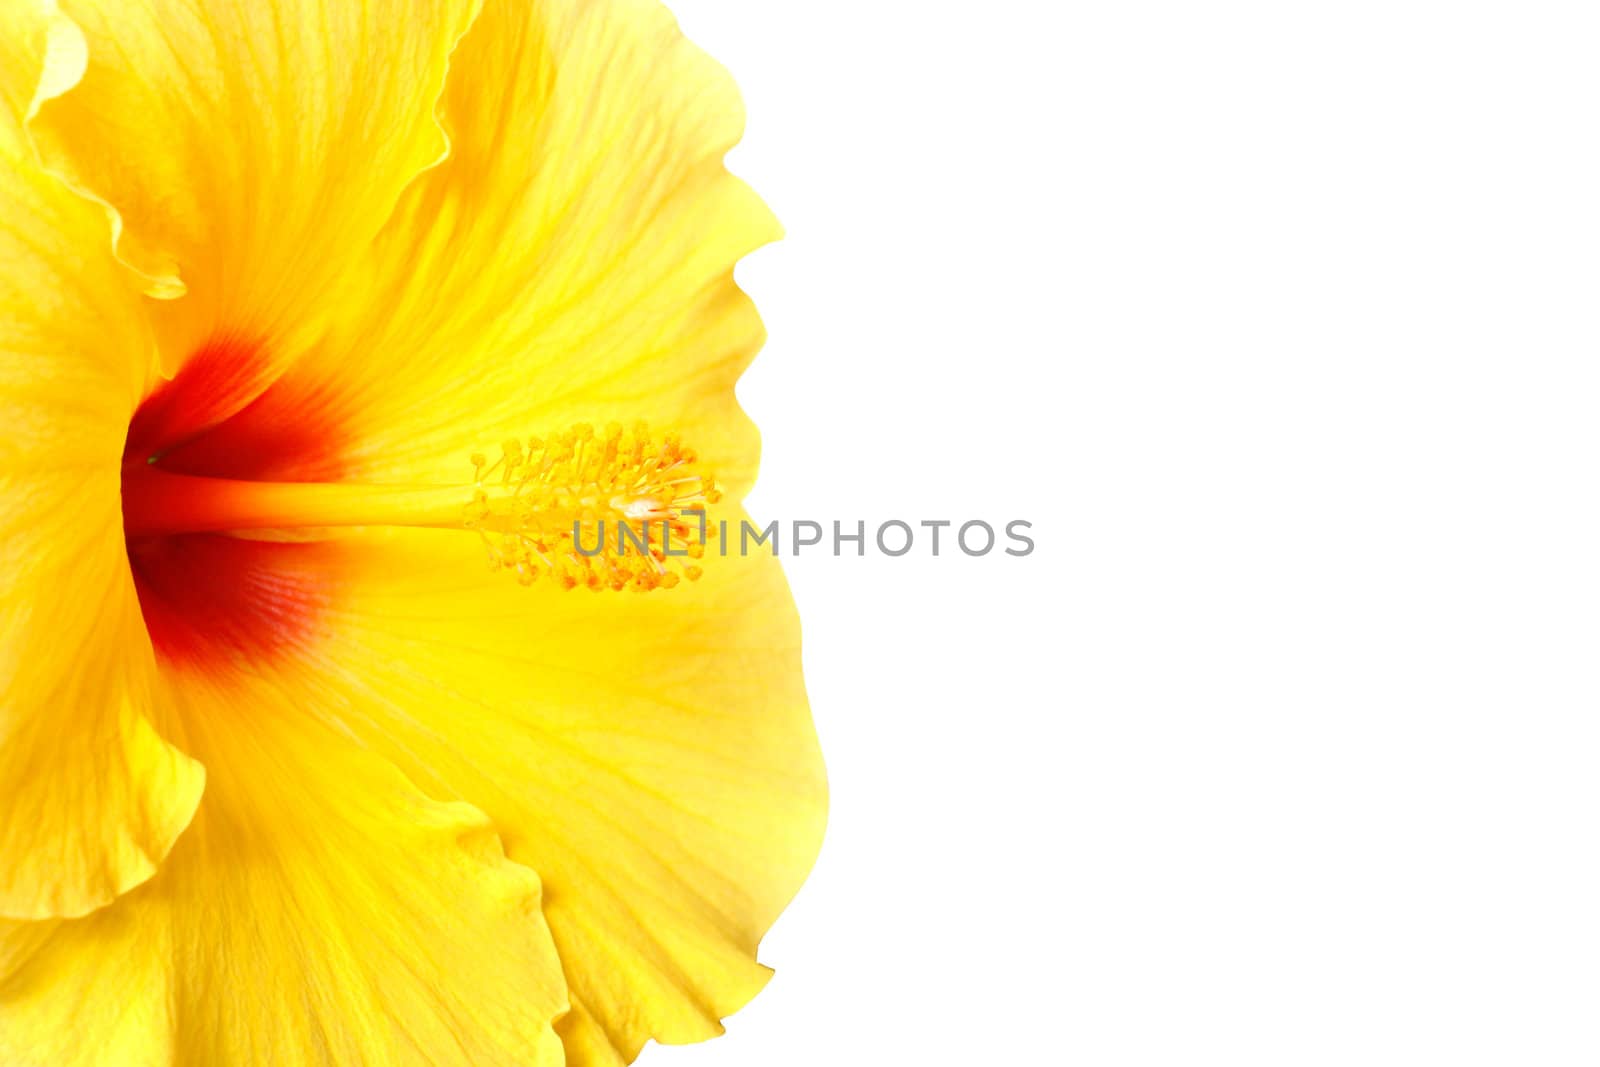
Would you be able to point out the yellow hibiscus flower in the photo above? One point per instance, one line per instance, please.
(290, 776)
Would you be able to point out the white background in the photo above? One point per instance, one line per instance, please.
(1279, 321)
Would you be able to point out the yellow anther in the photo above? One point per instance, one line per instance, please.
(614, 511)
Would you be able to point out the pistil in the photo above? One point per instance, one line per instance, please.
(615, 510)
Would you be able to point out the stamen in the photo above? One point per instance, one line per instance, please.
(608, 511)
(616, 510)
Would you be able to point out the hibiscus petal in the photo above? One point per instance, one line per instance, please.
(650, 755)
(93, 797)
(319, 911)
(572, 260)
(248, 152)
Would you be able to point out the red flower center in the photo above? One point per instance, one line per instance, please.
(211, 600)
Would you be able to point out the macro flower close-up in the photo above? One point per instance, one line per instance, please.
(339, 342)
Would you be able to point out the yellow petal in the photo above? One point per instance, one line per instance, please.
(93, 797)
(108, 1001)
(249, 152)
(651, 756)
(320, 911)
(572, 260)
